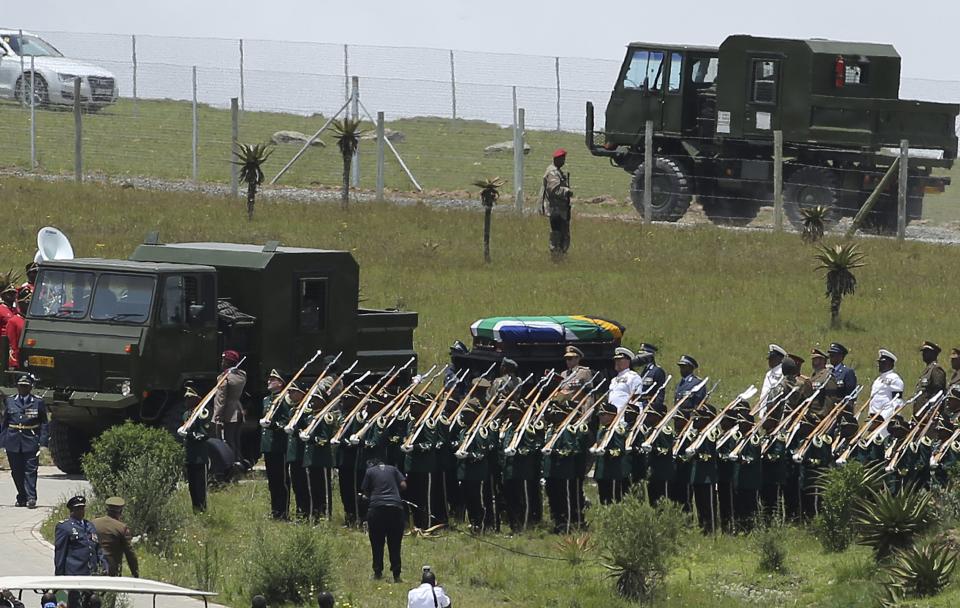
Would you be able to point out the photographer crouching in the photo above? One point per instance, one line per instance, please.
(428, 594)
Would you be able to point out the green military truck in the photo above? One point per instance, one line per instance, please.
(116, 340)
(715, 110)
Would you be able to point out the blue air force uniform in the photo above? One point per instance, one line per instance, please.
(845, 376)
(23, 429)
(687, 383)
(77, 549)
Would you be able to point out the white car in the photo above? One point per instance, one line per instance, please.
(54, 74)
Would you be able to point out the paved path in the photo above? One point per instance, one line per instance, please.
(28, 554)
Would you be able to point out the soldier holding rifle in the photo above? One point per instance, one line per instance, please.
(555, 202)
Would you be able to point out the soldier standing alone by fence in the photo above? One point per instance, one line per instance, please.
(555, 201)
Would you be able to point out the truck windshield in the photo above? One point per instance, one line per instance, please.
(62, 294)
(645, 71)
(123, 297)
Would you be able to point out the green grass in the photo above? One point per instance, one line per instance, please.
(719, 571)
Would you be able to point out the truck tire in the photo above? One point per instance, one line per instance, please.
(67, 447)
(671, 190)
(729, 211)
(810, 187)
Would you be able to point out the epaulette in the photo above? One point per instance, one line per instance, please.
(329, 418)
(621, 429)
(755, 440)
(955, 446)
(714, 434)
(827, 439)
(667, 430)
(431, 424)
(878, 439)
(926, 441)
(362, 415)
(382, 422)
(494, 425)
(538, 426)
(483, 432)
(584, 427)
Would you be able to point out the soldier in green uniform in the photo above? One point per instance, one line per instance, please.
(954, 366)
(747, 473)
(555, 201)
(195, 448)
(661, 466)
(473, 471)
(822, 379)
(350, 466)
(726, 495)
(703, 468)
(273, 446)
(776, 466)
(115, 539)
(521, 470)
(294, 454)
(611, 471)
(318, 463)
(422, 468)
(560, 472)
(934, 378)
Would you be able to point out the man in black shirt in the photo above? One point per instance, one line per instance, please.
(381, 486)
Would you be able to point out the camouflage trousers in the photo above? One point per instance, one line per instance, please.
(559, 234)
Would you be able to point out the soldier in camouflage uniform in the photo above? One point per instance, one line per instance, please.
(934, 378)
(555, 201)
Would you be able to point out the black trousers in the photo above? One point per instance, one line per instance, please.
(704, 499)
(534, 500)
(559, 233)
(656, 490)
(726, 505)
(197, 483)
(453, 495)
(385, 525)
(612, 490)
(479, 501)
(425, 490)
(745, 507)
(347, 476)
(301, 488)
(23, 469)
(231, 436)
(320, 488)
(564, 500)
(278, 482)
(679, 492)
(516, 498)
(772, 498)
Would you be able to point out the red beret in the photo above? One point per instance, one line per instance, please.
(231, 355)
(559, 152)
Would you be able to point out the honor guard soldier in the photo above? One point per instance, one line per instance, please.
(612, 472)
(318, 461)
(77, 549)
(887, 391)
(196, 452)
(23, 430)
(273, 446)
(508, 380)
(627, 384)
(933, 379)
(115, 539)
(294, 456)
(575, 377)
(422, 466)
(688, 381)
(473, 470)
(846, 378)
(774, 373)
(954, 366)
(521, 470)
(555, 201)
(822, 379)
(653, 375)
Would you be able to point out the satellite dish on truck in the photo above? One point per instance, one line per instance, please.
(53, 245)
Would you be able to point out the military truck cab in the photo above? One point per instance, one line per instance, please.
(112, 340)
(714, 111)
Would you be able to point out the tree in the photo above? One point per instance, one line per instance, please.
(250, 159)
(489, 193)
(814, 222)
(838, 262)
(347, 132)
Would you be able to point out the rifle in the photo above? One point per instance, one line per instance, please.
(682, 436)
(647, 444)
(311, 427)
(275, 404)
(468, 396)
(393, 405)
(895, 454)
(201, 410)
(632, 436)
(824, 425)
(744, 396)
(377, 387)
(304, 404)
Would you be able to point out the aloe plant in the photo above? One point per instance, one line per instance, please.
(250, 159)
(918, 572)
(814, 223)
(489, 193)
(347, 132)
(839, 262)
(887, 522)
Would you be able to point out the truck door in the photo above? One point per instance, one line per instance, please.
(312, 323)
(673, 96)
(762, 113)
(185, 341)
(639, 95)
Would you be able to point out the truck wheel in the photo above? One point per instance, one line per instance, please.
(671, 190)
(67, 447)
(727, 211)
(811, 187)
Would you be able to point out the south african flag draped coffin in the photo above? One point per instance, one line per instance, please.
(564, 329)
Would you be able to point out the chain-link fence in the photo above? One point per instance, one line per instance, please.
(172, 122)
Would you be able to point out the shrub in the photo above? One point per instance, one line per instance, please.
(769, 544)
(887, 521)
(840, 488)
(917, 572)
(640, 542)
(289, 565)
(142, 465)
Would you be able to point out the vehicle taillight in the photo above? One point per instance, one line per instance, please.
(840, 72)
(30, 341)
(128, 348)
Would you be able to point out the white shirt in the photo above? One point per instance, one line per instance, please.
(422, 597)
(882, 400)
(770, 380)
(623, 387)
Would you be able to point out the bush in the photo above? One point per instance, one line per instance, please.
(640, 542)
(840, 488)
(773, 551)
(290, 565)
(918, 572)
(887, 521)
(143, 465)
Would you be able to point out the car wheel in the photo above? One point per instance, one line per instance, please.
(41, 95)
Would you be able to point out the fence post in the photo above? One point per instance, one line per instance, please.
(518, 160)
(453, 86)
(23, 80)
(242, 100)
(381, 136)
(346, 74)
(514, 106)
(77, 134)
(195, 142)
(902, 189)
(355, 113)
(778, 180)
(557, 68)
(133, 54)
(234, 139)
(648, 162)
(33, 116)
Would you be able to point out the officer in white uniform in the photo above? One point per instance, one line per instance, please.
(886, 395)
(774, 375)
(627, 384)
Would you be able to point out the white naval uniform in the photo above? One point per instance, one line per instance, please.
(771, 379)
(885, 395)
(623, 387)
